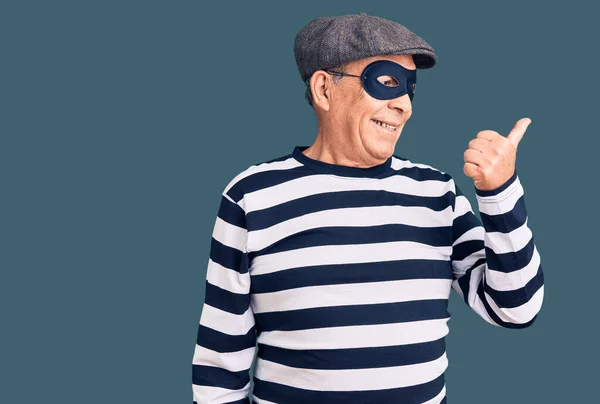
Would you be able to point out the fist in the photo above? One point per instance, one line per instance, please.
(490, 158)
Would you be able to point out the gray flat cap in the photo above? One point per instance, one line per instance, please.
(327, 42)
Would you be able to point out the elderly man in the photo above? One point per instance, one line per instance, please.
(334, 264)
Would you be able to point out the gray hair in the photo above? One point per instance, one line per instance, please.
(336, 80)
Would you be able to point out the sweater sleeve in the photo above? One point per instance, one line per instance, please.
(496, 266)
(226, 339)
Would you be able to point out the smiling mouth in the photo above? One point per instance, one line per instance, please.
(384, 126)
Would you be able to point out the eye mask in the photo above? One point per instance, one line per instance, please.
(403, 80)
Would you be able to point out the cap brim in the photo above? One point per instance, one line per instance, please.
(423, 58)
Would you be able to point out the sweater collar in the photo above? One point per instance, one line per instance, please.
(321, 167)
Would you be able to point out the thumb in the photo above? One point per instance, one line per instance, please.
(517, 132)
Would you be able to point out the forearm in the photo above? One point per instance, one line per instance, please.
(512, 288)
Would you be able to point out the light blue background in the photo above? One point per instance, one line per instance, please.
(121, 122)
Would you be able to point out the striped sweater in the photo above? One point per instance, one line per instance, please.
(337, 279)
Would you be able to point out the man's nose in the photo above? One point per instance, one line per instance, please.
(402, 103)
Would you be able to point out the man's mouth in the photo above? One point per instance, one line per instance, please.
(389, 127)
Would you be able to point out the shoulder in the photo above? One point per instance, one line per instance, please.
(258, 175)
(431, 181)
(418, 171)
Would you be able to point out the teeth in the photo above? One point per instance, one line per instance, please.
(385, 125)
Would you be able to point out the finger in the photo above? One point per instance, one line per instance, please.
(475, 157)
(482, 145)
(487, 135)
(471, 170)
(517, 132)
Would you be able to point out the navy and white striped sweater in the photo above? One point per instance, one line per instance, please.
(337, 278)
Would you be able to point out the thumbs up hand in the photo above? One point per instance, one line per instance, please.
(490, 158)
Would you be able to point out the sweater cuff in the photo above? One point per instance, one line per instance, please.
(501, 193)
(497, 191)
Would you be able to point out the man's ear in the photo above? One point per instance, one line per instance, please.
(320, 87)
